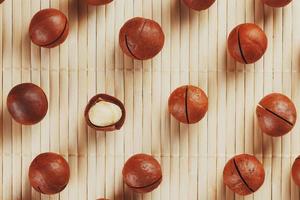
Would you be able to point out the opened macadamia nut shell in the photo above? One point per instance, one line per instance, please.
(27, 103)
(276, 114)
(243, 174)
(141, 38)
(199, 4)
(49, 173)
(188, 104)
(49, 28)
(98, 2)
(142, 173)
(247, 43)
(276, 3)
(109, 99)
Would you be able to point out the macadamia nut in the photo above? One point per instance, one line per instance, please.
(105, 113)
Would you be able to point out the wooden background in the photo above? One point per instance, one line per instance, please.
(90, 61)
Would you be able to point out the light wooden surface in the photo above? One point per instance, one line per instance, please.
(90, 61)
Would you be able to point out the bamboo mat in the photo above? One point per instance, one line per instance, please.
(90, 62)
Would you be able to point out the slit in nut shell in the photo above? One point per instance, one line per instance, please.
(105, 113)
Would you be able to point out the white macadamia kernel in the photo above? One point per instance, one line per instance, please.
(104, 113)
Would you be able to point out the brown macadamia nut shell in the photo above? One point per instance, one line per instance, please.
(104, 97)
(142, 173)
(49, 28)
(49, 173)
(276, 3)
(276, 114)
(199, 4)
(296, 171)
(247, 43)
(141, 38)
(27, 103)
(243, 174)
(188, 104)
(98, 2)
(1, 1)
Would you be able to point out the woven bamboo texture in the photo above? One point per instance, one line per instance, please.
(90, 62)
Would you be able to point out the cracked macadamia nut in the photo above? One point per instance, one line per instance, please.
(98, 2)
(105, 113)
(276, 3)
(49, 173)
(188, 104)
(199, 4)
(49, 28)
(141, 38)
(276, 114)
(27, 103)
(296, 171)
(142, 173)
(247, 43)
(244, 174)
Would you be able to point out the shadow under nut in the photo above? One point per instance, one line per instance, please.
(49, 28)
(276, 114)
(276, 3)
(141, 38)
(247, 43)
(243, 174)
(199, 4)
(98, 2)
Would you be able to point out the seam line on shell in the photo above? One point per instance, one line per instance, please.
(186, 104)
(66, 24)
(128, 47)
(160, 179)
(143, 26)
(240, 47)
(273, 113)
(244, 181)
